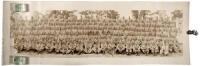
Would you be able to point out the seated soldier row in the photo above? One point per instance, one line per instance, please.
(94, 46)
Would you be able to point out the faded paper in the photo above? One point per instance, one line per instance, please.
(97, 32)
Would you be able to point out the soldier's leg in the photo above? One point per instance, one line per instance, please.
(126, 51)
(162, 52)
(166, 52)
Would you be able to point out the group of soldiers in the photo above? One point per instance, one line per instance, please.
(94, 46)
(58, 33)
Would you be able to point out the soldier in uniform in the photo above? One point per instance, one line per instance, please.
(94, 47)
(67, 48)
(120, 48)
(79, 48)
(147, 48)
(48, 46)
(133, 47)
(137, 47)
(154, 49)
(99, 49)
(28, 46)
(128, 48)
(63, 46)
(88, 46)
(175, 48)
(58, 46)
(71, 47)
(111, 48)
(166, 53)
(164, 49)
(171, 47)
(178, 47)
(144, 48)
(107, 47)
(103, 47)
(76, 45)
(18, 44)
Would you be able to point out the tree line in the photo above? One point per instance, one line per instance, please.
(113, 14)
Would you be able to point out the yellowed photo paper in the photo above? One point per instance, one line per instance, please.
(95, 32)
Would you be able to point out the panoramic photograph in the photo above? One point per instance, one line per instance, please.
(95, 30)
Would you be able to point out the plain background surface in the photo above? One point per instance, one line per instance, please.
(194, 23)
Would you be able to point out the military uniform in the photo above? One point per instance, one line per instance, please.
(164, 49)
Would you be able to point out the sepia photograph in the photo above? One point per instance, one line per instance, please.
(87, 32)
